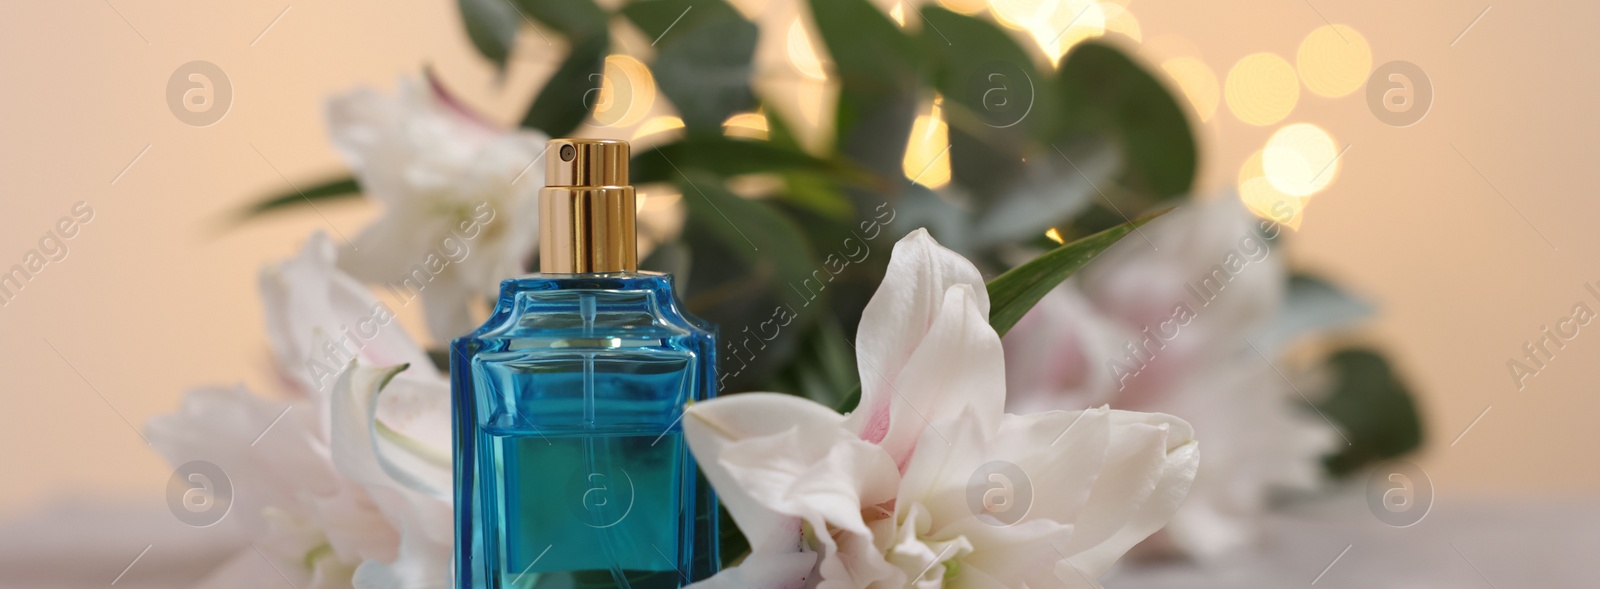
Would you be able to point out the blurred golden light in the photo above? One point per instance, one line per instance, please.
(965, 6)
(898, 13)
(656, 198)
(802, 55)
(627, 92)
(1300, 159)
(1197, 82)
(750, 125)
(749, 9)
(1019, 14)
(1334, 61)
(1265, 201)
(656, 126)
(811, 97)
(1055, 25)
(1120, 20)
(1072, 23)
(1262, 89)
(1054, 235)
(927, 160)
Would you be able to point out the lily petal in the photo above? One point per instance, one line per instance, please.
(318, 318)
(1152, 462)
(776, 459)
(364, 455)
(897, 320)
(959, 366)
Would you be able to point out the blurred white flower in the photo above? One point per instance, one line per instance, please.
(928, 484)
(342, 486)
(1183, 304)
(310, 522)
(319, 318)
(459, 196)
(1060, 349)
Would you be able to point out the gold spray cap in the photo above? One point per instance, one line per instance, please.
(586, 209)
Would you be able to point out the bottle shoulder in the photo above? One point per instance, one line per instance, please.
(625, 309)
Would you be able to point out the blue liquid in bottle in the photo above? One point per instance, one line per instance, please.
(571, 468)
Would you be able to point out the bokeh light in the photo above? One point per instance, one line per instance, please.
(802, 54)
(627, 92)
(1266, 201)
(1055, 25)
(1300, 159)
(750, 125)
(1334, 61)
(898, 13)
(927, 160)
(1262, 89)
(965, 6)
(1197, 82)
(1121, 20)
(657, 126)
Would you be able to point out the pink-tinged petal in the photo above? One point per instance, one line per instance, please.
(958, 366)
(1208, 256)
(1057, 355)
(448, 101)
(899, 316)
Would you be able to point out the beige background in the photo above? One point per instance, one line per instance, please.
(152, 300)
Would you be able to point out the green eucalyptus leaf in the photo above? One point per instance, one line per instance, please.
(575, 19)
(727, 156)
(572, 92)
(815, 193)
(491, 26)
(879, 69)
(1373, 409)
(1049, 191)
(328, 190)
(751, 268)
(1103, 90)
(981, 68)
(706, 72)
(1014, 293)
(871, 55)
(664, 21)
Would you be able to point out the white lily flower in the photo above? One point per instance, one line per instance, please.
(1183, 303)
(319, 318)
(459, 196)
(294, 507)
(928, 484)
(342, 487)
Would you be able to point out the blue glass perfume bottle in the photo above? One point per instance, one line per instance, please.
(571, 467)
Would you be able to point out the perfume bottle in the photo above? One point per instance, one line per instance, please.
(571, 469)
